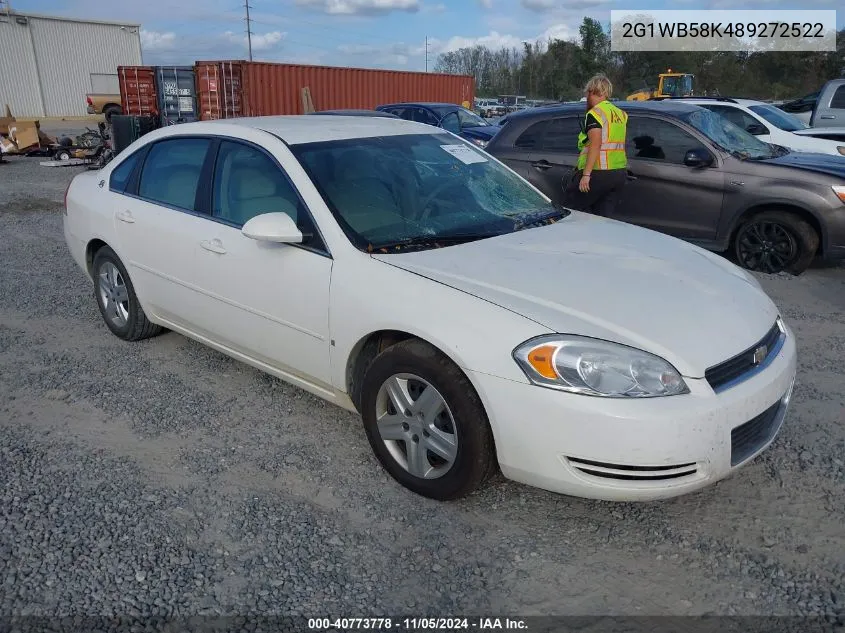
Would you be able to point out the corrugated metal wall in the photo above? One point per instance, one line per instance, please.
(238, 88)
(18, 72)
(64, 54)
(276, 88)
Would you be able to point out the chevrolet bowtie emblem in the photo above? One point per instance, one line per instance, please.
(760, 354)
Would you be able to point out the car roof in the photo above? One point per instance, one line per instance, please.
(353, 112)
(726, 100)
(306, 128)
(670, 106)
(422, 104)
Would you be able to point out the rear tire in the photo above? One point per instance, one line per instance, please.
(457, 427)
(776, 241)
(116, 299)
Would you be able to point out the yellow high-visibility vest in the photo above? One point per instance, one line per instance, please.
(614, 123)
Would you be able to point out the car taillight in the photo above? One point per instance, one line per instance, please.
(88, 99)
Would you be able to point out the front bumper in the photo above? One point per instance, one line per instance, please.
(635, 450)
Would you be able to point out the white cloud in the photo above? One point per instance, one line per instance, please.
(434, 8)
(486, 4)
(495, 40)
(558, 32)
(260, 41)
(155, 41)
(361, 7)
(539, 5)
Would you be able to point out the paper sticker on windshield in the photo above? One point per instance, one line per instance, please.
(465, 154)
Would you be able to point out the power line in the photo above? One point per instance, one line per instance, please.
(426, 53)
(248, 29)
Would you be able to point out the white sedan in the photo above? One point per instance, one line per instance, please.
(398, 271)
(772, 125)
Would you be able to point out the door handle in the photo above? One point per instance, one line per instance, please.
(215, 246)
(125, 216)
(541, 165)
(630, 176)
(827, 116)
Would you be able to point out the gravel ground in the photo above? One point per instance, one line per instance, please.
(162, 478)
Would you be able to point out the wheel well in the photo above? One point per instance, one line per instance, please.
(112, 105)
(363, 354)
(798, 211)
(91, 253)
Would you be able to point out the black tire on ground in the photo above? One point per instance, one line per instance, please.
(110, 111)
(137, 326)
(476, 459)
(785, 228)
(63, 155)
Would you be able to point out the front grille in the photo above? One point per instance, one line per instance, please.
(624, 472)
(720, 375)
(750, 437)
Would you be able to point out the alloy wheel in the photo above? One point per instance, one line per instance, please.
(416, 425)
(767, 247)
(113, 294)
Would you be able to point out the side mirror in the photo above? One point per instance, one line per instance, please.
(756, 129)
(698, 158)
(273, 227)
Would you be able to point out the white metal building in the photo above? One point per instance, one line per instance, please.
(48, 64)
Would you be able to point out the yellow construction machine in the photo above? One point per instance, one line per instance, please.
(669, 84)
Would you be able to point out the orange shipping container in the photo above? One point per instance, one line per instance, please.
(238, 88)
(138, 90)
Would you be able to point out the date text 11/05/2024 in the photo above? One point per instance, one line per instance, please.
(416, 624)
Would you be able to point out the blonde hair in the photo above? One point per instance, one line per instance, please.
(599, 85)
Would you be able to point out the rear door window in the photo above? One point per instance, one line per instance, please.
(172, 172)
(838, 100)
(121, 174)
(532, 137)
(655, 139)
(561, 135)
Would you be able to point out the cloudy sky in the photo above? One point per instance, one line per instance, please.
(371, 33)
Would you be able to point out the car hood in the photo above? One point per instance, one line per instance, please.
(605, 279)
(483, 132)
(819, 163)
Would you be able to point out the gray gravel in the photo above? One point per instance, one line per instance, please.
(162, 478)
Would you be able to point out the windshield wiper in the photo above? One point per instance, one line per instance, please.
(435, 241)
(558, 214)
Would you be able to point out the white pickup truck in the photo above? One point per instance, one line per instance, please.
(825, 108)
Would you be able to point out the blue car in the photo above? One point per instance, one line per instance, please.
(448, 116)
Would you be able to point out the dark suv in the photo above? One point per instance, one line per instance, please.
(696, 176)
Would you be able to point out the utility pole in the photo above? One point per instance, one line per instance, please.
(248, 29)
(426, 53)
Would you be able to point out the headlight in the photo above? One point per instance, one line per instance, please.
(594, 367)
(480, 143)
(841, 149)
(839, 190)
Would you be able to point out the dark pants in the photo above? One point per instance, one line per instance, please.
(605, 188)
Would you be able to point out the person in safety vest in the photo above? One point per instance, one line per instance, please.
(602, 164)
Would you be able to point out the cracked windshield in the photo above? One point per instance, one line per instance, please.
(420, 191)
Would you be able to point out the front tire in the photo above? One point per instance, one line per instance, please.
(425, 422)
(774, 242)
(116, 299)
